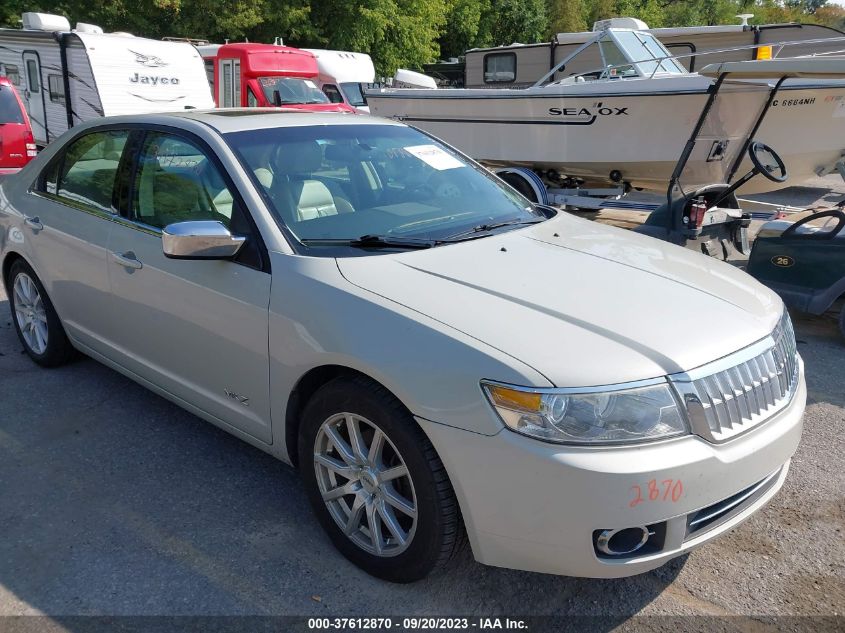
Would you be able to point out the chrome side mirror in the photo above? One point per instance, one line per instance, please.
(202, 239)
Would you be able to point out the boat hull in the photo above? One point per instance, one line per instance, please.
(633, 129)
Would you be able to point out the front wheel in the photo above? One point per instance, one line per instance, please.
(376, 483)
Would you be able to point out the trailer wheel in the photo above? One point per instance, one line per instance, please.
(526, 182)
(519, 183)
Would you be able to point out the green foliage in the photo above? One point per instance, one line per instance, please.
(565, 16)
(404, 33)
(510, 21)
(463, 23)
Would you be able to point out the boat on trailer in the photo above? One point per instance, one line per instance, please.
(626, 123)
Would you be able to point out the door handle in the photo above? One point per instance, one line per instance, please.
(127, 260)
(34, 223)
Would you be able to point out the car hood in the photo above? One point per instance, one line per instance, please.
(582, 303)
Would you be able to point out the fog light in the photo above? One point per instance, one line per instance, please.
(623, 541)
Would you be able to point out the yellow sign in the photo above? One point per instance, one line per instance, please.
(764, 52)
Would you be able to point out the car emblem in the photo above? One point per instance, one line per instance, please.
(783, 261)
(237, 397)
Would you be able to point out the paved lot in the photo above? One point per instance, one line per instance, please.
(114, 501)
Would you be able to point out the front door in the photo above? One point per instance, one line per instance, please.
(34, 96)
(196, 328)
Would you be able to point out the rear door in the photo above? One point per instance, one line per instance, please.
(70, 213)
(34, 96)
(196, 328)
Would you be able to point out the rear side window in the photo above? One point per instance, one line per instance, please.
(85, 174)
(10, 109)
(499, 68)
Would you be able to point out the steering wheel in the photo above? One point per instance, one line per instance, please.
(767, 162)
(821, 235)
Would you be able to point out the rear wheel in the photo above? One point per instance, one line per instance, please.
(376, 483)
(35, 318)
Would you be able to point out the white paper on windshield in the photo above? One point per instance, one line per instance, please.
(433, 156)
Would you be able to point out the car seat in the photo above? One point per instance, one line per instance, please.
(297, 194)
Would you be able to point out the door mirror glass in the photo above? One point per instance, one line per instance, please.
(200, 239)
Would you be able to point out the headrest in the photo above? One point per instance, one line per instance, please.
(299, 158)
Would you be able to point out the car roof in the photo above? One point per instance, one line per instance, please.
(226, 120)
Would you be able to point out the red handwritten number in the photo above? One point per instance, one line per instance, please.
(672, 489)
(677, 491)
(638, 497)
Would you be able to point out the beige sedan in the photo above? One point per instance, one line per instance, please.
(439, 357)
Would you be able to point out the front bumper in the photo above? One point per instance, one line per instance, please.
(535, 506)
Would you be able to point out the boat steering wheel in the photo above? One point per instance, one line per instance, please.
(767, 162)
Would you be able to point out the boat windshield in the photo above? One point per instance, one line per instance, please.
(292, 90)
(633, 53)
(337, 183)
(352, 92)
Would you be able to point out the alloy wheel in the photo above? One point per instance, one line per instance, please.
(30, 313)
(365, 484)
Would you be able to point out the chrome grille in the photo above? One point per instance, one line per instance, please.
(738, 393)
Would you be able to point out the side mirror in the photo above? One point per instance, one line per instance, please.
(204, 239)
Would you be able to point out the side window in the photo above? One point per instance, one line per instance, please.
(14, 74)
(57, 88)
(251, 99)
(499, 68)
(209, 71)
(333, 93)
(227, 87)
(85, 174)
(177, 182)
(32, 76)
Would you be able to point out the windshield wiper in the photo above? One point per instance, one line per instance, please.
(485, 229)
(373, 241)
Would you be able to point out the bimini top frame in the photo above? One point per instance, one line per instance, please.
(771, 70)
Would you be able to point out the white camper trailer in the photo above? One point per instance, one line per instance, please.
(67, 76)
(344, 76)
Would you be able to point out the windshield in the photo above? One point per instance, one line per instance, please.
(353, 94)
(292, 90)
(641, 48)
(343, 182)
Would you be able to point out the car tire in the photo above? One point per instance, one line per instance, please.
(364, 486)
(38, 326)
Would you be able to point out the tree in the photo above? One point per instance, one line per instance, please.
(511, 21)
(394, 32)
(461, 30)
(565, 16)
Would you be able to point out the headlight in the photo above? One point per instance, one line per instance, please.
(609, 416)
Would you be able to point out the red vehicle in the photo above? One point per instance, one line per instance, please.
(17, 146)
(266, 75)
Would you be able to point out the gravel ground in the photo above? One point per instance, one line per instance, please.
(115, 502)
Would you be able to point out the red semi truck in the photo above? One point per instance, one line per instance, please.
(265, 75)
